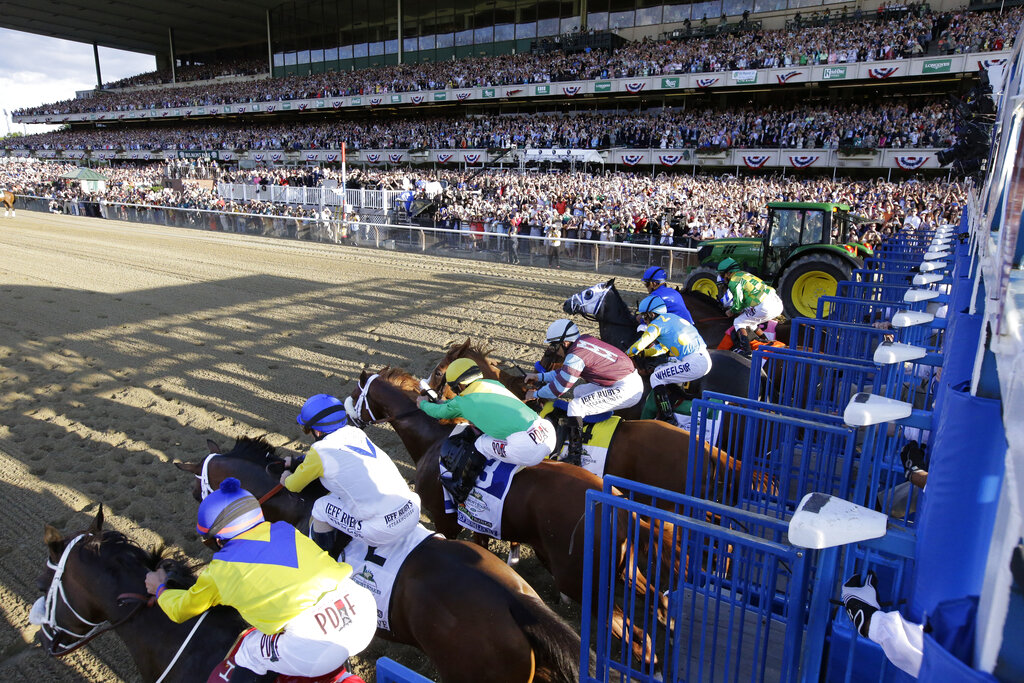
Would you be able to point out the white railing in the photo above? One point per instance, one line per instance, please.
(596, 255)
(309, 196)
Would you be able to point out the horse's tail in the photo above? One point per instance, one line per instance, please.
(555, 644)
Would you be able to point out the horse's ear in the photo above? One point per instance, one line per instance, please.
(610, 283)
(97, 522)
(212, 447)
(190, 467)
(54, 542)
(462, 348)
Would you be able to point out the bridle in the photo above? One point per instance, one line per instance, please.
(204, 481)
(50, 627)
(355, 408)
(55, 596)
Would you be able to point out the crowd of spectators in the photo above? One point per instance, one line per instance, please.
(192, 72)
(674, 209)
(885, 38)
(901, 123)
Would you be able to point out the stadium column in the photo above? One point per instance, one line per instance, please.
(270, 49)
(170, 38)
(401, 38)
(96, 57)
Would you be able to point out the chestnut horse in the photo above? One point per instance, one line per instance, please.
(471, 614)
(544, 507)
(648, 451)
(96, 582)
(7, 199)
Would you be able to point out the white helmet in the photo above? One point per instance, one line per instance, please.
(562, 330)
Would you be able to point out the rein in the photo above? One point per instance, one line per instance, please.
(206, 489)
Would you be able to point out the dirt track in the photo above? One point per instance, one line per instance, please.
(124, 347)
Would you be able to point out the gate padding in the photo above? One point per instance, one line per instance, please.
(733, 596)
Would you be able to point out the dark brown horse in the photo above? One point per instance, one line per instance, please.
(648, 451)
(472, 615)
(86, 580)
(544, 507)
(7, 199)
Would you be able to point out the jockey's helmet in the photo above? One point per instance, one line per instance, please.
(727, 265)
(562, 330)
(324, 413)
(228, 511)
(654, 274)
(653, 304)
(462, 372)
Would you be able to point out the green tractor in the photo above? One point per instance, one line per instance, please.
(806, 250)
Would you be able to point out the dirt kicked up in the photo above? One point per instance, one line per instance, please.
(124, 347)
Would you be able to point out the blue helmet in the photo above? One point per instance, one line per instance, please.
(653, 304)
(228, 511)
(324, 413)
(654, 274)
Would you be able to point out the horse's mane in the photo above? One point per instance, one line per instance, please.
(481, 353)
(704, 298)
(113, 546)
(399, 378)
(254, 449)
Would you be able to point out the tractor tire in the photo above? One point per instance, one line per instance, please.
(704, 280)
(808, 278)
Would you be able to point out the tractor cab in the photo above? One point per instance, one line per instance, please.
(795, 225)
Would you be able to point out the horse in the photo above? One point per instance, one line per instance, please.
(603, 304)
(544, 506)
(95, 582)
(7, 199)
(469, 612)
(648, 451)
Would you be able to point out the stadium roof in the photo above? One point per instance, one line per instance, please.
(141, 25)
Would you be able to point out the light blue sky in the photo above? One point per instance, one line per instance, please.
(36, 70)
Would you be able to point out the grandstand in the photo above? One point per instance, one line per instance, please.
(467, 123)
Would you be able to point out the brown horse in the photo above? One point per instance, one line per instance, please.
(648, 451)
(544, 507)
(95, 582)
(472, 615)
(7, 199)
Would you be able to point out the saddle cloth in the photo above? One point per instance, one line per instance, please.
(481, 511)
(597, 439)
(376, 568)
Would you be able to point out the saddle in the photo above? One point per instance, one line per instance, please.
(463, 461)
(227, 671)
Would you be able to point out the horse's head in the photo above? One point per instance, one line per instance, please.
(481, 356)
(253, 461)
(590, 301)
(85, 581)
(381, 397)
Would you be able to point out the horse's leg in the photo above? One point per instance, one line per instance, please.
(428, 486)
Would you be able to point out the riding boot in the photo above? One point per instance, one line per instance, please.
(574, 439)
(743, 343)
(331, 540)
(663, 404)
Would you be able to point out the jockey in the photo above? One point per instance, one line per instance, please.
(511, 431)
(308, 616)
(607, 379)
(654, 279)
(368, 497)
(678, 342)
(753, 302)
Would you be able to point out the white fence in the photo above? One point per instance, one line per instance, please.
(625, 258)
(309, 196)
